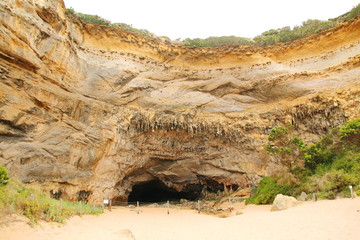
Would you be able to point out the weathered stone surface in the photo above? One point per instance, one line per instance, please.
(90, 109)
(282, 202)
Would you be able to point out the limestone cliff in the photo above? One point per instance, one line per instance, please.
(91, 111)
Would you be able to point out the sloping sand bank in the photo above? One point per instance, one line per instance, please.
(328, 219)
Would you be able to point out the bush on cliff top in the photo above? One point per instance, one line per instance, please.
(274, 36)
(88, 18)
(95, 19)
(217, 41)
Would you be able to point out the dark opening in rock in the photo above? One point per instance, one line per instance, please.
(56, 194)
(156, 191)
(214, 186)
(83, 196)
(233, 187)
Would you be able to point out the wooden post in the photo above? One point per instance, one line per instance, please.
(110, 205)
(103, 205)
(60, 206)
(80, 208)
(198, 206)
(314, 197)
(230, 204)
(351, 192)
(168, 207)
(137, 204)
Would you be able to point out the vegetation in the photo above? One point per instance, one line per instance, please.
(355, 11)
(270, 37)
(35, 205)
(349, 15)
(350, 129)
(285, 147)
(269, 187)
(277, 132)
(129, 28)
(95, 19)
(318, 154)
(329, 167)
(4, 177)
(217, 41)
(286, 34)
(273, 36)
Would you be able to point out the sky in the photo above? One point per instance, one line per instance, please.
(204, 18)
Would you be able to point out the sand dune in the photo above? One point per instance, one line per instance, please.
(328, 219)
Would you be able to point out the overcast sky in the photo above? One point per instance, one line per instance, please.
(205, 18)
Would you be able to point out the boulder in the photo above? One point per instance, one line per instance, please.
(282, 202)
(303, 197)
(126, 234)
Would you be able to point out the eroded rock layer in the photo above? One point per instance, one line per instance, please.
(88, 112)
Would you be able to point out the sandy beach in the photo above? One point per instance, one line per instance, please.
(327, 219)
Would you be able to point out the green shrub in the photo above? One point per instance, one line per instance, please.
(4, 177)
(331, 184)
(316, 154)
(299, 143)
(351, 128)
(277, 132)
(348, 162)
(331, 165)
(286, 149)
(269, 187)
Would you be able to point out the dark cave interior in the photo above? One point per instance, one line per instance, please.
(156, 191)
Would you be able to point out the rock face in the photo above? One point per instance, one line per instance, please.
(282, 202)
(89, 111)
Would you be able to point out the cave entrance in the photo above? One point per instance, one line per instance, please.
(155, 191)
